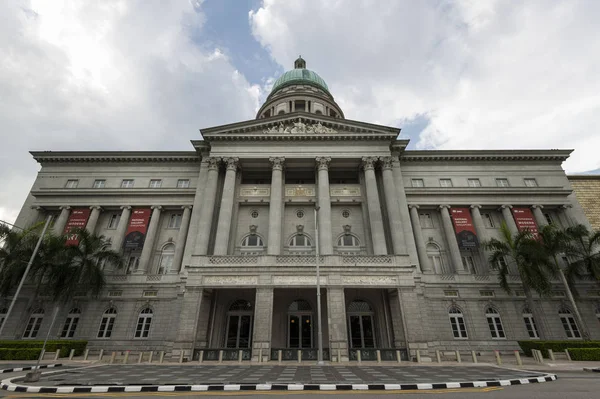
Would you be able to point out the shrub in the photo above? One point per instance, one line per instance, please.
(556, 346)
(591, 354)
(20, 353)
(51, 346)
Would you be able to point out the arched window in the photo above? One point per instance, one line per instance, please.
(300, 240)
(252, 240)
(107, 323)
(530, 323)
(435, 258)
(300, 306)
(70, 325)
(494, 323)
(34, 323)
(569, 324)
(457, 322)
(3, 313)
(300, 327)
(239, 325)
(348, 240)
(241, 305)
(166, 259)
(143, 324)
(360, 325)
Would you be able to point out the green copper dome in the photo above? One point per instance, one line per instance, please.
(300, 76)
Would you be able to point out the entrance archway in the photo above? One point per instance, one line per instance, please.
(239, 325)
(300, 325)
(361, 326)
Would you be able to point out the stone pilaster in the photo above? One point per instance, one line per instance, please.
(181, 238)
(93, 220)
(208, 207)
(148, 247)
(482, 236)
(188, 323)
(224, 222)
(409, 233)
(263, 324)
(508, 219)
(117, 244)
(540, 219)
(275, 206)
(374, 207)
(570, 216)
(426, 266)
(336, 321)
(61, 221)
(451, 239)
(324, 214)
(195, 217)
(389, 187)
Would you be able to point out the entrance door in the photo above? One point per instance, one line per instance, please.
(360, 325)
(239, 329)
(300, 331)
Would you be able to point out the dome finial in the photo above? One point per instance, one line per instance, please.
(300, 63)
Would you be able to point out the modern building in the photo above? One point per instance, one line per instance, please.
(220, 241)
(587, 191)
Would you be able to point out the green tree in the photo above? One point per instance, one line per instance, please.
(583, 252)
(525, 255)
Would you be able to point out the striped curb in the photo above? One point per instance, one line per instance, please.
(9, 386)
(43, 366)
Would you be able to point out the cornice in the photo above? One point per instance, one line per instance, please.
(104, 192)
(485, 155)
(115, 156)
(488, 191)
(583, 177)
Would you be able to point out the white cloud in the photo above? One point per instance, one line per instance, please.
(488, 74)
(106, 75)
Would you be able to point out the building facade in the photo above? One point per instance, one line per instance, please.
(231, 229)
(587, 191)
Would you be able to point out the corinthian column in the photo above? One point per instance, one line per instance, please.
(539, 216)
(224, 223)
(93, 220)
(195, 214)
(389, 187)
(275, 206)
(150, 238)
(121, 228)
(481, 234)
(405, 217)
(451, 239)
(419, 241)
(61, 222)
(508, 219)
(375, 218)
(181, 237)
(324, 214)
(208, 206)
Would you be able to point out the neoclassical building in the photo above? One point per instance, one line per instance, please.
(220, 241)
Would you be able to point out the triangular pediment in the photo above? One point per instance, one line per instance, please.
(299, 126)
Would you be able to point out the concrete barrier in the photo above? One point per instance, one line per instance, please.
(438, 357)
(551, 354)
(101, 354)
(474, 356)
(113, 356)
(378, 353)
(358, 356)
(498, 358)
(126, 358)
(568, 354)
(279, 356)
(458, 359)
(240, 356)
(201, 357)
(518, 357)
(150, 355)
(398, 356)
(299, 356)
(86, 354)
(71, 354)
(221, 356)
(57, 354)
(181, 356)
(161, 357)
(140, 357)
(418, 356)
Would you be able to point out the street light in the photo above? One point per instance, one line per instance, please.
(319, 326)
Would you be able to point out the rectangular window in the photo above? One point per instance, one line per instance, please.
(488, 220)
(183, 183)
(530, 325)
(113, 221)
(72, 183)
(570, 326)
(99, 183)
(418, 183)
(549, 219)
(69, 327)
(115, 293)
(426, 220)
(175, 221)
(127, 183)
(468, 264)
(495, 326)
(502, 262)
(451, 293)
(150, 294)
(106, 326)
(486, 293)
(155, 183)
(502, 182)
(530, 182)
(33, 326)
(474, 182)
(445, 183)
(459, 329)
(133, 264)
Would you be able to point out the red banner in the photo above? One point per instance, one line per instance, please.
(77, 220)
(525, 221)
(136, 230)
(466, 235)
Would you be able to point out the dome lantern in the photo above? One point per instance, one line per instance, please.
(300, 63)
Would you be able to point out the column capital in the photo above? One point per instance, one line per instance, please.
(231, 163)
(444, 206)
(506, 206)
(277, 162)
(213, 162)
(386, 162)
(413, 206)
(368, 163)
(67, 207)
(322, 162)
(186, 207)
(126, 207)
(567, 206)
(96, 207)
(536, 206)
(159, 207)
(475, 206)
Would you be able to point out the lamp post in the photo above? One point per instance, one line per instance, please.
(37, 247)
(319, 325)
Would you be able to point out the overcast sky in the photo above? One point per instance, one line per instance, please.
(147, 74)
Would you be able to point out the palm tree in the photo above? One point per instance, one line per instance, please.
(557, 243)
(525, 254)
(583, 252)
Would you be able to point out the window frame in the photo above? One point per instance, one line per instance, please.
(475, 180)
(488, 220)
(530, 325)
(528, 180)
(426, 216)
(417, 183)
(175, 221)
(117, 219)
(446, 183)
(167, 255)
(99, 183)
(183, 183)
(72, 183)
(144, 323)
(502, 179)
(494, 322)
(458, 324)
(125, 183)
(70, 325)
(107, 323)
(34, 324)
(567, 320)
(292, 240)
(155, 183)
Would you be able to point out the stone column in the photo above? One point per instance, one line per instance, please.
(148, 247)
(336, 321)
(375, 218)
(451, 239)
(426, 266)
(208, 207)
(263, 323)
(195, 214)
(61, 222)
(93, 220)
(540, 219)
(508, 218)
(409, 233)
(324, 214)
(389, 187)
(181, 237)
(482, 235)
(571, 218)
(224, 222)
(275, 206)
(121, 228)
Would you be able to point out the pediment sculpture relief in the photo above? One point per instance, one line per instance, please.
(300, 127)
